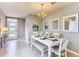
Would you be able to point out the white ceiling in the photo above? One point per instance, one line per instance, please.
(21, 9)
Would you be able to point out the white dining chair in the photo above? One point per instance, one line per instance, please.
(35, 33)
(56, 35)
(60, 50)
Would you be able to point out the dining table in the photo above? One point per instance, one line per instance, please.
(48, 42)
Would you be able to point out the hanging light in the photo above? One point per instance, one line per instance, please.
(42, 14)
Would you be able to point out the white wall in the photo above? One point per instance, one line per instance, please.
(2, 17)
(73, 37)
(30, 20)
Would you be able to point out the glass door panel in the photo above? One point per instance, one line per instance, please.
(12, 28)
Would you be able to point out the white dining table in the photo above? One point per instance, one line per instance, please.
(46, 42)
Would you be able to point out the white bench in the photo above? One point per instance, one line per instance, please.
(41, 47)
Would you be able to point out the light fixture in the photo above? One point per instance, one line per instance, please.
(42, 14)
(3, 29)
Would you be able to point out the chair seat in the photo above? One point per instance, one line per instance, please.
(39, 46)
(55, 50)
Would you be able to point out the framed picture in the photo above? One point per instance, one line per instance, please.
(35, 27)
(46, 25)
(55, 24)
(70, 23)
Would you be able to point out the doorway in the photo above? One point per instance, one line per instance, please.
(12, 28)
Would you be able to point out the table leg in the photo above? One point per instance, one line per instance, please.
(1, 42)
(49, 52)
(4, 41)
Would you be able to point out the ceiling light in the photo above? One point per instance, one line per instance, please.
(42, 14)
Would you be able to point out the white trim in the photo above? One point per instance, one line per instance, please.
(76, 15)
(52, 26)
(73, 52)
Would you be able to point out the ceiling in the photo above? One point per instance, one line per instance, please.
(21, 9)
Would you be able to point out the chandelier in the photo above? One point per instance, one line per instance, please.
(42, 14)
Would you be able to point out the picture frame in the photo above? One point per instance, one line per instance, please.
(70, 23)
(46, 25)
(55, 24)
(35, 27)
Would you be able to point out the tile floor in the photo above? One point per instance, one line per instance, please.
(19, 48)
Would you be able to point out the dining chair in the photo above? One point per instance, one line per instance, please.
(56, 35)
(46, 35)
(1, 41)
(60, 50)
(35, 33)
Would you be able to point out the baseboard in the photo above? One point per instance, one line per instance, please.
(73, 52)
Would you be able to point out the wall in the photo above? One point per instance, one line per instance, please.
(30, 20)
(21, 28)
(73, 37)
(2, 17)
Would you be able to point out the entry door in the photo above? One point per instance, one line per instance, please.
(12, 28)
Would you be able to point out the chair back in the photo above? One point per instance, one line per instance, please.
(41, 33)
(46, 34)
(62, 46)
(56, 35)
(35, 33)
